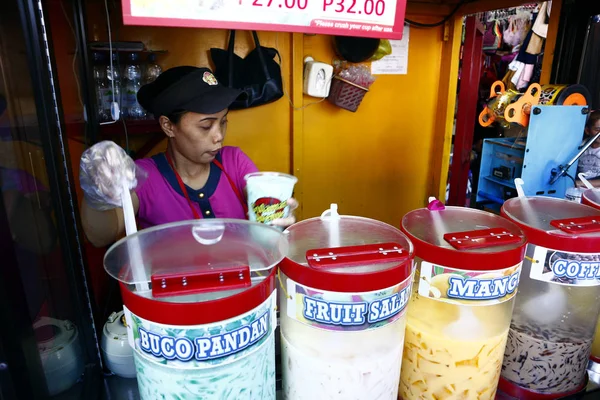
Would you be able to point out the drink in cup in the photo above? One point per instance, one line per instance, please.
(268, 193)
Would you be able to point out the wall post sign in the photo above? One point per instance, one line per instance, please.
(382, 19)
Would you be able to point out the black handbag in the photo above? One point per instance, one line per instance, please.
(258, 75)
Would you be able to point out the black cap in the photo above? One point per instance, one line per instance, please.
(186, 89)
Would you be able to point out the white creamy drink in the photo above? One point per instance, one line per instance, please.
(344, 292)
(343, 368)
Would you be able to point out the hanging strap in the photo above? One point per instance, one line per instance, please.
(182, 186)
(187, 197)
(233, 186)
(261, 56)
(231, 53)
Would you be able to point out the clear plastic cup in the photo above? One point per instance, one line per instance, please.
(574, 194)
(268, 193)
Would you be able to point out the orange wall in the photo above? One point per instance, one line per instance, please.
(380, 162)
(377, 162)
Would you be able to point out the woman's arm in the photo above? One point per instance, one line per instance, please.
(594, 181)
(104, 227)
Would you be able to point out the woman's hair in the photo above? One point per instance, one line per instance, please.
(174, 117)
(594, 116)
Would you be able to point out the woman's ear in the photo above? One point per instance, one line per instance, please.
(167, 126)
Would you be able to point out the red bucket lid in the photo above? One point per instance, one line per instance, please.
(464, 238)
(196, 272)
(591, 197)
(556, 223)
(347, 254)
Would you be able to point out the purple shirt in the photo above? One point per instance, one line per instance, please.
(162, 201)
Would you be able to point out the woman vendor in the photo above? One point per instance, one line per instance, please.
(589, 162)
(197, 177)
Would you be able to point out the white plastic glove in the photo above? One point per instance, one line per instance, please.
(102, 169)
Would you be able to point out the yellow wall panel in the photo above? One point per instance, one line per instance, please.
(375, 162)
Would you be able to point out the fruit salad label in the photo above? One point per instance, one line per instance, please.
(457, 286)
(562, 267)
(203, 346)
(347, 311)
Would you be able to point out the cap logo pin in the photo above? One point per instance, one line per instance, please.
(210, 79)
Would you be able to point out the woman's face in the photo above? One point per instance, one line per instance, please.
(199, 137)
(592, 130)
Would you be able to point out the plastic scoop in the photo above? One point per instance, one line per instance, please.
(133, 244)
(587, 184)
(467, 325)
(554, 300)
(519, 185)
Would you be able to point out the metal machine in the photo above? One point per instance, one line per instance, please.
(545, 159)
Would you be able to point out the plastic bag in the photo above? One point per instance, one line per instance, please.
(384, 49)
(358, 74)
(102, 170)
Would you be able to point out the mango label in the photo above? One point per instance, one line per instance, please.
(460, 286)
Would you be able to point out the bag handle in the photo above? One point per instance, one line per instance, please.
(231, 53)
(261, 56)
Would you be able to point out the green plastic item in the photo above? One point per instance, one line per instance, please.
(384, 49)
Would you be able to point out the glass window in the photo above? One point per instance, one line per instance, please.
(47, 346)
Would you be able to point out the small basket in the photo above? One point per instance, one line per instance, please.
(346, 94)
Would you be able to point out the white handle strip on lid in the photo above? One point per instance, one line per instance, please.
(332, 211)
(334, 228)
(133, 244)
(587, 184)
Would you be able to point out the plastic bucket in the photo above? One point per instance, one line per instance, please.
(343, 294)
(204, 327)
(557, 307)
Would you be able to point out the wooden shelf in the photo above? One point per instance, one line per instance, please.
(141, 127)
(145, 51)
(502, 182)
(122, 47)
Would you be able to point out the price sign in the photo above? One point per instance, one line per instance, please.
(382, 19)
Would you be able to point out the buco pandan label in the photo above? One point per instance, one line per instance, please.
(207, 345)
(563, 268)
(455, 285)
(267, 209)
(347, 311)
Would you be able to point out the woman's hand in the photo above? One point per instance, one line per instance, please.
(103, 169)
(291, 219)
